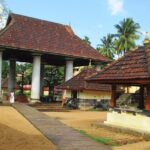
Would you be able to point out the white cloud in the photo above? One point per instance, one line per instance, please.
(115, 6)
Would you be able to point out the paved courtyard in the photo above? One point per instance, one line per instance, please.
(63, 137)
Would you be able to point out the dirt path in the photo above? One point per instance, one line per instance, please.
(16, 133)
(83, 120)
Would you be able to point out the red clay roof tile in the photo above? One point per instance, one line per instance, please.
(78, 82)
(42, 36)
(133, 66)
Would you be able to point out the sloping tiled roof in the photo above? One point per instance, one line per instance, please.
(133, 67)
(78, 82)
(30, 34)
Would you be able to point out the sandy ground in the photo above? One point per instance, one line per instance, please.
(135, 146)
(82, 120)
(16, 133)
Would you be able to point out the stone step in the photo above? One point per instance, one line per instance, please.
(54, 107)
(53, 110)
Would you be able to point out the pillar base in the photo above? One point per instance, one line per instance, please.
(33, 101)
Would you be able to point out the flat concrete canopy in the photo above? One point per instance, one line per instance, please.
(23, 36)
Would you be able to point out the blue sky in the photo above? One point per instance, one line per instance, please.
(92, 18)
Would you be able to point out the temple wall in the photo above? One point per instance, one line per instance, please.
(131, 89)
(68, 94)
(86, 94)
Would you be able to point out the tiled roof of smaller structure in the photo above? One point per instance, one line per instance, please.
(79, 82)
(35, 35)
(134, 67)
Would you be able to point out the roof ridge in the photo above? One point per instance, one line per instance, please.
(69, 30)
(38, 19)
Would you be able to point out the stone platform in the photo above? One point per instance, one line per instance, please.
(133, 121)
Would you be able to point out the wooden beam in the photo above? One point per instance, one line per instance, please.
(147, 103)
(141, 101)
(113, 96)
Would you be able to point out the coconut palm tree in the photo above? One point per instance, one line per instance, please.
(107, 47)
(127, 33)
(86, 39)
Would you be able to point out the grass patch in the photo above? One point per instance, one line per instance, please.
(96, 109)
(106, 141)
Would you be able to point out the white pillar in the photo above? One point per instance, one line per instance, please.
(35, 87)
(12, 75)
(68, 75)
(69, 70)
(1, 53)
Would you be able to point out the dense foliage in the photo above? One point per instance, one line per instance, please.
(53, 76)
(107, 48)
(86, 40)
(122, 41)
(127, 33)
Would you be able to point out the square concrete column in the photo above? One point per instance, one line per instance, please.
(35, 86)
(12, 75)
(113, 96)
(1, 53)
(69, 70)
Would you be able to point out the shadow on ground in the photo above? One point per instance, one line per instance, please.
(12, 139)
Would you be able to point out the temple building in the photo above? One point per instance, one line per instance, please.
(86, 92)
(40, 42)
(133, 69)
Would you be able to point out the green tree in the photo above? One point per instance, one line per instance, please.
(127, 33)
(86, 39)
(5, 69)
(24, 74)
(25, 70)
(53, 76)
(107, 48)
